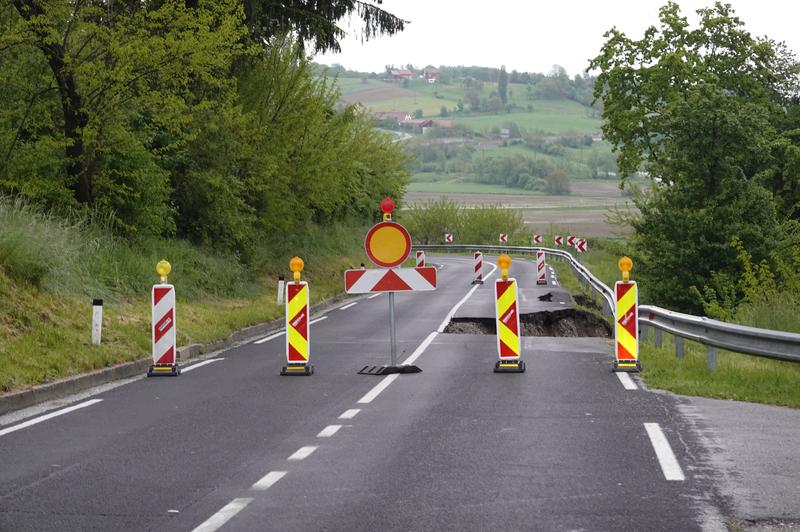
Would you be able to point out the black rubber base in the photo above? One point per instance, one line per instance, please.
(509, 366)
(477, 282)
(541, 283)
(302, 370)
(164, 370)
(627, 367)
(388, 370)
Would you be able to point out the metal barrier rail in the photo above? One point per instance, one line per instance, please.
(711, 333)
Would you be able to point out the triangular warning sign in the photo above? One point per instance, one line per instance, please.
(390, 282)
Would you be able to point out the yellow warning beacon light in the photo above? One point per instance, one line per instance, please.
(504, 262)
(625, 266)
(296, 265)
(163, 268)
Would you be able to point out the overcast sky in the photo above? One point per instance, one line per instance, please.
(533, 35)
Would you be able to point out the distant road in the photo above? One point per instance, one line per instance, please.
(232, 445)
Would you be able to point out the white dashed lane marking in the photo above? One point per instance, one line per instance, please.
(303, 452)
(268, 480)
(329, 431)
(51, 415)
(224, 515)
(666, 458)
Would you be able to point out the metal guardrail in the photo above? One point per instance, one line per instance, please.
(711, 333)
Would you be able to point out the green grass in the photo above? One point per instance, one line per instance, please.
(456, 186)
(50, 270)
(739, 377)
(551, 116)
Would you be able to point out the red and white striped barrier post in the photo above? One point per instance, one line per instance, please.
(541, 269)
(537, 239)
(478, 278)
(558, 240)
(163, 326)
(298, 333)
(420, 259)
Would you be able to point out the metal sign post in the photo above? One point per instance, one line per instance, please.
(392, 331)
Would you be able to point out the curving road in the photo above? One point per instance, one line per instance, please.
(231, 445)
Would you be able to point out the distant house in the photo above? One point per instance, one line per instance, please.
(431, 73)
(418, 124)
(397, 75)
(396, 116)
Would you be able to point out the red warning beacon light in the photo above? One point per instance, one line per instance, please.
(387, 206)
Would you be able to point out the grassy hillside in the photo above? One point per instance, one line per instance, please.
(50, 270)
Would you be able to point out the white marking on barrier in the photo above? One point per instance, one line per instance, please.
(200, 364)
(350, 414)
(51, 415)
(666, 458)
(224, 515)
(268, 480)
(463, 300)
(349, 306)
(329, 431)
(303, 452)
(281, 333)
(626, 380)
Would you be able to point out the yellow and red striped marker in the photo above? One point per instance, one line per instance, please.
(298, 334)
(163, 329)
(626, 323)
(507, 321)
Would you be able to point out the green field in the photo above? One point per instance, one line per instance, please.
(549, 116)
(457, 186)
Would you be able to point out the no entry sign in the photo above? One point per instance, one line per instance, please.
(388, 244)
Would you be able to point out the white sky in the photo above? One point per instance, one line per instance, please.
(533, 35)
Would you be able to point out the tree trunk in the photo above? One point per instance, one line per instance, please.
(75, 117)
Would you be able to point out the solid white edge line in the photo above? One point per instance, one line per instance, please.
(224, 515)
(270, 337)
(463, 300)
(626, 380)
(350, 414)
(373, 393)
(329, 431)
(281, 333)
(303, 452)
(200, 364)
(666, 458)
(421, 349)
(45, 417)
(353, 304)
(268, 480)
(373, 296)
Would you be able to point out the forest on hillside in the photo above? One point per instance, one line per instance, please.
(201, 120)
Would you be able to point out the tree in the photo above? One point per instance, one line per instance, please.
(700, 110)
(317, 22)
(502, 85)
(443, 112)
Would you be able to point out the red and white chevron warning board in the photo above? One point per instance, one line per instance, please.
(581, 245)
(570, 240)
(392, 280)
(478, 279)
(297, 330)
(163, 331)
(503, 238)
(507, 316)
(537, 239)
(559, 240)
(541, 270)
(626, 324)
(448, 237)
(420, 259)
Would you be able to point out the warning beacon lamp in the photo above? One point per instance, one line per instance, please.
(625, 266)
(387, 206)
(296, 265)
(504, 261)
(163, 268)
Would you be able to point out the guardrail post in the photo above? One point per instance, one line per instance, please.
(657, 336)
(643, 332)
(679, 346)
(711, 360)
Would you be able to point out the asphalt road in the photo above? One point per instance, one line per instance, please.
(232, 445)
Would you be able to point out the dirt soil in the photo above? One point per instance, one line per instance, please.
(570, 323)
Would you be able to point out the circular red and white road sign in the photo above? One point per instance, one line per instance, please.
(388, 244)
